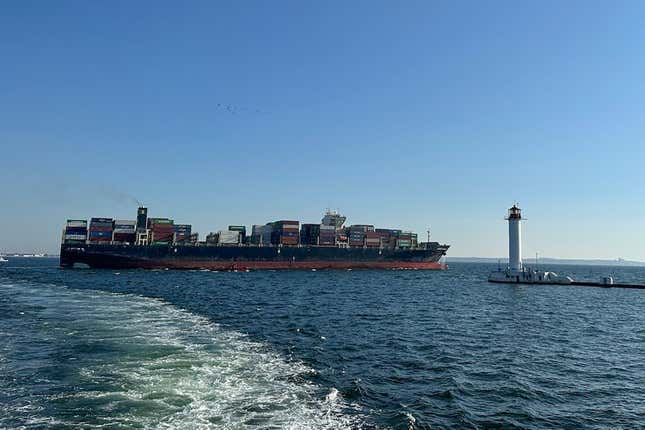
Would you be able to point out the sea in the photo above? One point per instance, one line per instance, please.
(139, 349)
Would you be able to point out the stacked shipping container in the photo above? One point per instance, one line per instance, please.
(357, 234)
(211, 238)
(286, 233)
(162, 230)
(309, 234)
(261, 234)
(75, 231)
(125, 231)
(183, 233)
(406, 240)
(101, 230)
(241, 229)
(327, 235)
(228, 237)
(374, 239)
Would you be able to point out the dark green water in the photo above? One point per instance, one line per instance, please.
(327, 349)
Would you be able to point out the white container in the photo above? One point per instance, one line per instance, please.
(229, 237)
(75, 237)
(125, 222)
(79, 224)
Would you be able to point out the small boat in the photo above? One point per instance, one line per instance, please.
(2, 259)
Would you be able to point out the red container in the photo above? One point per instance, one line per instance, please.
(124, 237)
(289, 240)
(100, 228)
(161, 237)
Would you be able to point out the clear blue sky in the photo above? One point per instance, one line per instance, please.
(401, 114)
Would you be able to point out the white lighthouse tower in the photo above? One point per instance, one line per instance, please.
(516, 273)
(514, 239)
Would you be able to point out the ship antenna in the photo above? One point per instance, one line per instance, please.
(428, 231)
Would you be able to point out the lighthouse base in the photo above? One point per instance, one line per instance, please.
(528, 277)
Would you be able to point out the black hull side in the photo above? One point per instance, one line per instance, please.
(251, 257)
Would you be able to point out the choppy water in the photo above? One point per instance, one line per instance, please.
(327, 349)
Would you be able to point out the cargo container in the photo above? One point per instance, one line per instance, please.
(100, 233)
(186, 237)
(94, 228)
(361, 227)
(125, 225)
(262, 234)
(124, 237)
(309, 234)
(101, 224)
(80, 223)
(167, 238)
(158, 222)
(81, 237)
(162, 227)
(227, 237)
(182, 232)
(211, 238)
(100, 220)
(284, 237)
(241, 229)
(403, 243)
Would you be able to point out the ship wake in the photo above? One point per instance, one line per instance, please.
(125, 360)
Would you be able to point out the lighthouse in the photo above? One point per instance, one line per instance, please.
(514, 239)
(516, 273)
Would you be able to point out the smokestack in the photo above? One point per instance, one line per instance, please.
(142, 218)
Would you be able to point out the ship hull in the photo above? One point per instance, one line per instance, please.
(249, 258)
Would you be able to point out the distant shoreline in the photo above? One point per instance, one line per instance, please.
(545, 261)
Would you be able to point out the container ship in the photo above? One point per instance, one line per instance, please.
(160, 243)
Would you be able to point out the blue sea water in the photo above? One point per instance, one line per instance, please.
(315, 350)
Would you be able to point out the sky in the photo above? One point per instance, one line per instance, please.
(414, 115)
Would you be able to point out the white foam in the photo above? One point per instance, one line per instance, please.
(175, 369)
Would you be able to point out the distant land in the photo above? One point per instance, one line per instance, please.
(546, 261)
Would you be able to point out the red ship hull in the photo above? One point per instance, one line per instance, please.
(287, 265)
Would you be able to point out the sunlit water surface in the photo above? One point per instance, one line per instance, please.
(326, 349)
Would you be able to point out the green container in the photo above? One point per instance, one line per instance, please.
(160, 221)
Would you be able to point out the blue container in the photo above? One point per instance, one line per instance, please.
(100, 234)
(76, 230)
